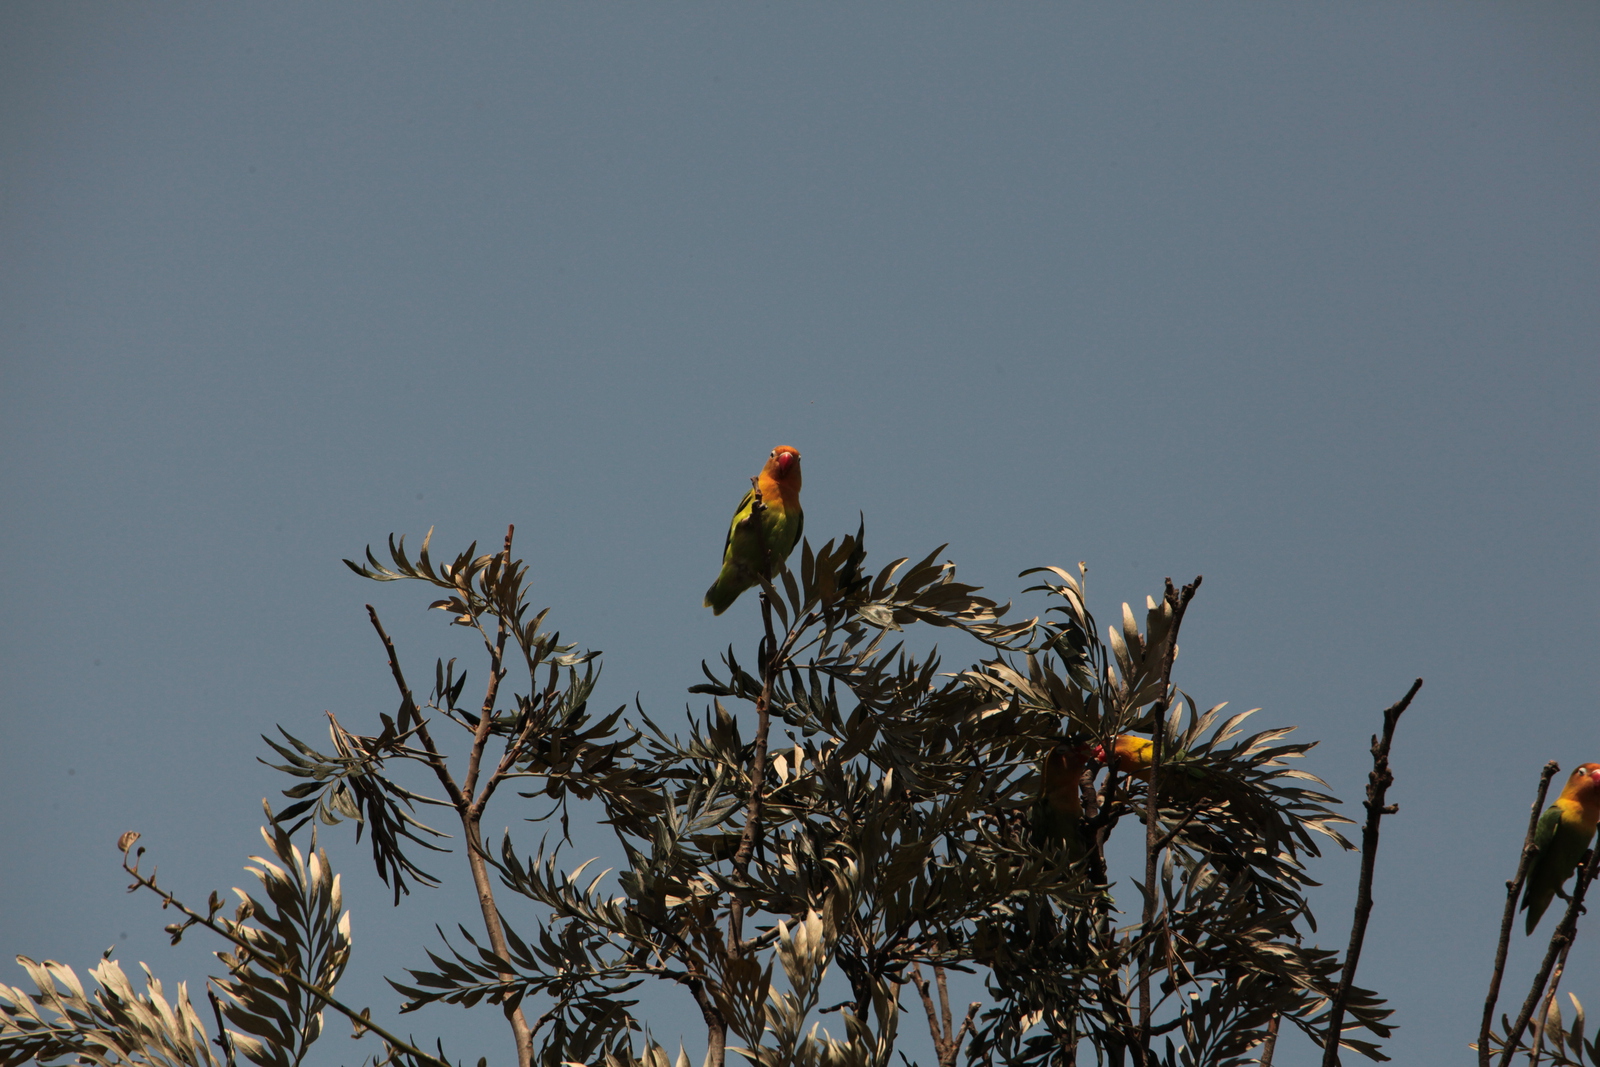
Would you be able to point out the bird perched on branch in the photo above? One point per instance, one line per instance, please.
(1059, 809)
(1133, 755)
(1180, 778)
(756, 549)
(1561, 838)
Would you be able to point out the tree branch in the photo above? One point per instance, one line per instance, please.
(222, 1041)
(947, 1037)
(1179, 603)
(1549, 999)
(1270, 1045)
(471, 822)
(1560, 941)
(469, 808)
(1378, 783)
(758, 776)
(1513, 887)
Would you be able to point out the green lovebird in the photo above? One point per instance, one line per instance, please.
(1057, 812)
(743, 561)
(1564, 832)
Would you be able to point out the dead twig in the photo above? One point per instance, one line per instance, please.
(1378, 783)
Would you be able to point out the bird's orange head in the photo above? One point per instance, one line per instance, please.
(1584, 786)
(783, 465)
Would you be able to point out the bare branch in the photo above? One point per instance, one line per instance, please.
(1378, 782)
(758, 771)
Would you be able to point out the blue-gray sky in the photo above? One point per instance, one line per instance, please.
(1301, 298)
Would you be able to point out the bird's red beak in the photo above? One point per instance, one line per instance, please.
(1099, 753)
(785, 461)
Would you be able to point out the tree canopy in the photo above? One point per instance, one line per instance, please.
(842, 799)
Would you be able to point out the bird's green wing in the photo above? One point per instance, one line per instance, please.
(1549, 823)
(740, 513)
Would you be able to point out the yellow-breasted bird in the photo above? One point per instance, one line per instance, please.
(743, 561)
(1561, 838)
(1059, 809)
(1133, 754)
(1180, 778)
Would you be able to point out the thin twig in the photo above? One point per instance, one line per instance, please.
(1179, 603)
(1513, 888)
(1099, 810)
(1560, 941)
(283, 971)
(407, 703)
(515, 748)
(471, 822)
(1182, 824)
(222, 1029)
(1378, 782)
(716, 1025)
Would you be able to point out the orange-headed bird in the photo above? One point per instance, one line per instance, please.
(743, 562)
(1059, 809)
(1180, 778)
(1563, 834)
(1133, 754)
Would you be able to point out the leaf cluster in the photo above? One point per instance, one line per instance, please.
(289, 947)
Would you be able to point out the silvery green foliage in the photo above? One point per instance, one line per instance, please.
(804, 954)
(113, 1025)
(1565, 1044)
(1556, 1042)
(295, 923)
(300, 926)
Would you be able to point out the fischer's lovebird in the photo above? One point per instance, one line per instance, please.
(1564, 832)
(743, 561)
(1133, 754)
(1180, 777)
(1057, 812)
